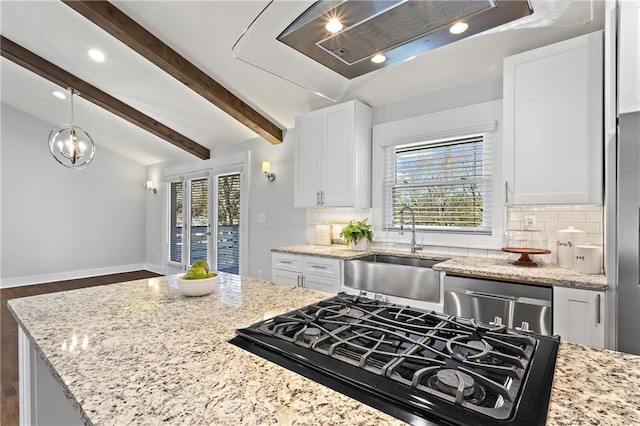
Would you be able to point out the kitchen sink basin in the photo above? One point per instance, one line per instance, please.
(406, 277)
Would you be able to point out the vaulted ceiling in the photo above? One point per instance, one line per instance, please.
(204, 33)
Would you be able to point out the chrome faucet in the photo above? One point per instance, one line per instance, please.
(414, 245)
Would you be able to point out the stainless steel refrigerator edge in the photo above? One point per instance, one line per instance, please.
(628, 233)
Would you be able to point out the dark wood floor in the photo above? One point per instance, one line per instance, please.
(9, 333)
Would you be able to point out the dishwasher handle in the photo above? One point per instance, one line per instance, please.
(490, 295)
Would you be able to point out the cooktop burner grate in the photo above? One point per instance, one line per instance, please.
(465, 365)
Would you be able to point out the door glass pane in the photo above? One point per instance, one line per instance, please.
(175, 222)
(228, 256)
(199, 219)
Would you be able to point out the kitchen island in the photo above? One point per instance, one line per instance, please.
(142, 353)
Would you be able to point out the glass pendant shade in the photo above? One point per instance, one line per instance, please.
(70, 145)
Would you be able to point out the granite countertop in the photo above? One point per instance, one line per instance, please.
(544, 274)
(479, 267)
(156, 356)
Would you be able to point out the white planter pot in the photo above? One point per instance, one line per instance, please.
(361, 246)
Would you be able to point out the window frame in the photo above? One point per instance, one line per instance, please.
(475, 119)
(227, 164)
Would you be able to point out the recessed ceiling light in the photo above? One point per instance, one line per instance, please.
(334, 25)
(96, 55)
(58, 94)
(458, 28)
(378, 58)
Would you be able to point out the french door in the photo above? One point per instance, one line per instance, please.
(189, 222)
(204, 222)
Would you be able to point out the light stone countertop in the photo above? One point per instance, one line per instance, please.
(543, 274)
(469, 266)
(156, 356)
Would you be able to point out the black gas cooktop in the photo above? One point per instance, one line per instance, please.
(419, 366)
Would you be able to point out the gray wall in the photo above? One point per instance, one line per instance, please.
(58, 223)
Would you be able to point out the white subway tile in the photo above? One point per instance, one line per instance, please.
(595, 239)
(589, 227)
(558, 208)
(546, 216)
(594, 217)
(586, 208)
(514, 225)
(572, 216)
(457, 251)
(554, 226)
(516, 216)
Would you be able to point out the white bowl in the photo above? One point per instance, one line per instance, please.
(197, 287)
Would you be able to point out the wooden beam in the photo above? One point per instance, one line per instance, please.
(62, 78)
(115, 22)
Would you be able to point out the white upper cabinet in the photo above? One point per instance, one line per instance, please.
(553, 134)
(629, 57)
(333, 159)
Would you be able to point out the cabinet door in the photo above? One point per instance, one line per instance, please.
(553, 132)
(629, 57)
(578, 316)
(307, 182)
(338, 152)
(321, 283)
(286, 277)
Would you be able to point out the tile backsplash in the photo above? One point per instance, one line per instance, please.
(550, 219)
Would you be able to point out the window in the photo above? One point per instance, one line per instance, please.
(447, 183)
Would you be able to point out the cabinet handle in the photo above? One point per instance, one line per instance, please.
(318, 267)
(317, 198)
(301, 280)
(322, 198)
(598, 309)
(298, 281)
(288, 262)
(506, 191)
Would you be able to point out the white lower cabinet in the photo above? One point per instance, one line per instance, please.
(579, 316)
(312, 272)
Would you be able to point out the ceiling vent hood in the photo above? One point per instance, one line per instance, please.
(370, 35)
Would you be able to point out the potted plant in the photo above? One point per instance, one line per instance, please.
(357, 234)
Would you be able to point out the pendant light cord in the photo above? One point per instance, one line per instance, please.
(73, 92)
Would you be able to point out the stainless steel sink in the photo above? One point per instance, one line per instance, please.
(406, 277)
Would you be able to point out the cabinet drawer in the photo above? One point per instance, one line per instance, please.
(287, 262)
(321, 266)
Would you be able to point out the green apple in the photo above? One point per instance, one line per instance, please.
(201, 264)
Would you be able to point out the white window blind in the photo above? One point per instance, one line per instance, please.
(175, 221)
(447, 183)
(199, 219)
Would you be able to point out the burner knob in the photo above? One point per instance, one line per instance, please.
(524, 327)
(497, 321)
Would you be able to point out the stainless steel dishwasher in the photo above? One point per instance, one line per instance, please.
(519, 306)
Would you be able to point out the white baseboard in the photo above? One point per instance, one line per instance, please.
(71, 275)
(158, 269)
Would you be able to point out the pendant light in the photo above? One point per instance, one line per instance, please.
(70, 145)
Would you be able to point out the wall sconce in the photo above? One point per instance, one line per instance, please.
(266, 169)
(150, 186)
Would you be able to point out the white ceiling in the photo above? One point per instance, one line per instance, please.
(204, 33)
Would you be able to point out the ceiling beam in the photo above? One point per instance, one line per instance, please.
(115, 22)
(62, 78)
